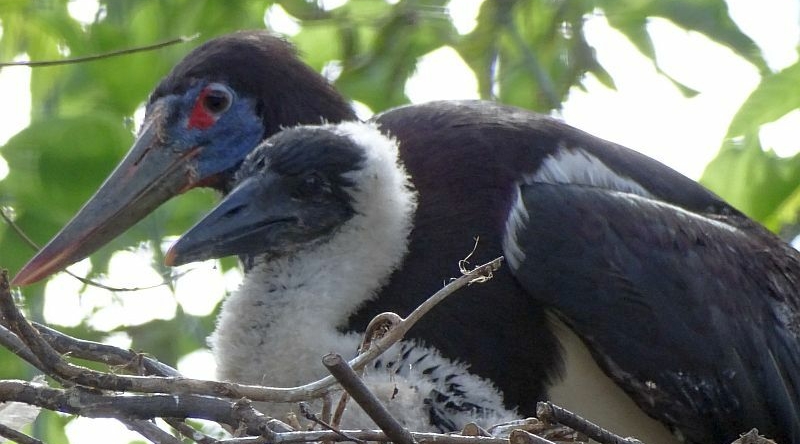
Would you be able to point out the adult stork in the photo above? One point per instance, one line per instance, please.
(615, 260)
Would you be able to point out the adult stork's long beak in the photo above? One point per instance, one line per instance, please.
(153, 171)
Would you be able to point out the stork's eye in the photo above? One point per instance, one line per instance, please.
(217, 98)
(214, 100)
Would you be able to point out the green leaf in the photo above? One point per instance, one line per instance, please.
(319, 43)
(712, 19)
(63, 159)
(759, 183)
(304, 10)
(54, 167)
(50, 426)
(378, 76)
(775, 96)
(530, 53)
(708, 17)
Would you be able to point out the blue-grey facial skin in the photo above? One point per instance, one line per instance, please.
(224, 143)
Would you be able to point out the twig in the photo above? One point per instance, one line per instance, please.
(146, 429)
(329, 413)
(51, 361)
(106, 354)
(150, 431)
(547, 411)
(305, 410)
(116, 406)
(89, 403)
(256, 422)
(190, 432)
(365, 435)
(354, 386)
(545, 429)
(17, 436)
(327, 407)
(12, 342)
(472, 429)
(523, 437)
(21, 234)
(56, 366)
(104, 55)
(338, 412)
(463, 264)
(17, 230)
(135, 362)
(376, 329)
(477, 275)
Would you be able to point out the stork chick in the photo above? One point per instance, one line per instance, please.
(322, 216)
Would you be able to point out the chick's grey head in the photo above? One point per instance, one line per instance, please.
(299, 188)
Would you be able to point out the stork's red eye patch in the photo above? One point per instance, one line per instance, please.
(201, 117)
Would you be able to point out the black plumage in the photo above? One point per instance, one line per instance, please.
(688, 305)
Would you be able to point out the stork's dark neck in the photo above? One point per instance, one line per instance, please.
(464, 173)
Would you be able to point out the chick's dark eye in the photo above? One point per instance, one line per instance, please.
(217, 99)
(262, 162)
(311, 186)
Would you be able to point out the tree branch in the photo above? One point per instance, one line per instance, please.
(27, 240)
(11, 342)
(113, 356)
(16, 436)
(359, 391)
(547, 411)
(105, 55)
(366, 435)
(136, 400)
(55, 365)
(89, 403)
(150, 431)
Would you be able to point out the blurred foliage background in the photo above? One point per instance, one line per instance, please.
(529, 53)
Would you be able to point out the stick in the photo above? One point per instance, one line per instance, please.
(91, 404)
(16, 436)
(107, 354)
(365, 435)
(150, 431)
(547, 411)
(104, 55)
(350, 381)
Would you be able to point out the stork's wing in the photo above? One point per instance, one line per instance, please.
(697, 319)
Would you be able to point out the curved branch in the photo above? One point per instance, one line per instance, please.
(91, 404)
(55, 365)
(106, 354)
(105, 55)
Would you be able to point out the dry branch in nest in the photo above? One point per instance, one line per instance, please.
(155, 390)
